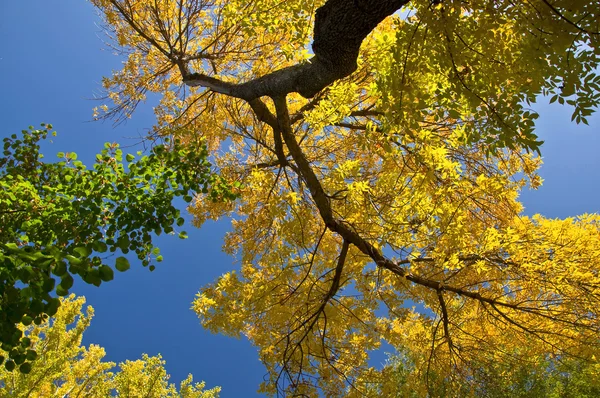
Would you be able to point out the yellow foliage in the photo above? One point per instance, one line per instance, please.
(66, 369)
(396, 186)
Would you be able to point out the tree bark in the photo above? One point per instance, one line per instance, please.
(340, 28)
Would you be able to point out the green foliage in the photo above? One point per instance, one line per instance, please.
(59, 220)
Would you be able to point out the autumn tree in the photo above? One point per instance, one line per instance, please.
(380, 146)
(532, 377)
(66, 368)
(61, 220)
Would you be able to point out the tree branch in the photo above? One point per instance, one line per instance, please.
(340, 28)
(445, 318)
(323, 205)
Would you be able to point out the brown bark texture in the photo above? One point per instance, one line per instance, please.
(340, 28)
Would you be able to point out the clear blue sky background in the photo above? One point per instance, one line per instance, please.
(51, 62)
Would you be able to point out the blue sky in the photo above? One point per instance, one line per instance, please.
(51, 62)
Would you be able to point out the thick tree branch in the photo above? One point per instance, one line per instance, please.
(340, 28)
(320, 197)
(323, 205)
(263, 113)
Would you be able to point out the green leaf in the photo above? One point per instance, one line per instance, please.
(25, 368)
(129, 157)
(122, 264)
(61, 291)
(12, 247)
(48, 285)
(93, 277)
(66, 282)
(44, 262)
(100, 247)
(52, 306)
(82, 251)
(37, 306)
(60, 268)
(73, 260)
(9, 365)
(19, 358)
(31, 355)
(106, 273)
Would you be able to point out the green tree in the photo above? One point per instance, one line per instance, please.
(60, 220)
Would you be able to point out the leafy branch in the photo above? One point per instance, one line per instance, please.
(63, 220)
